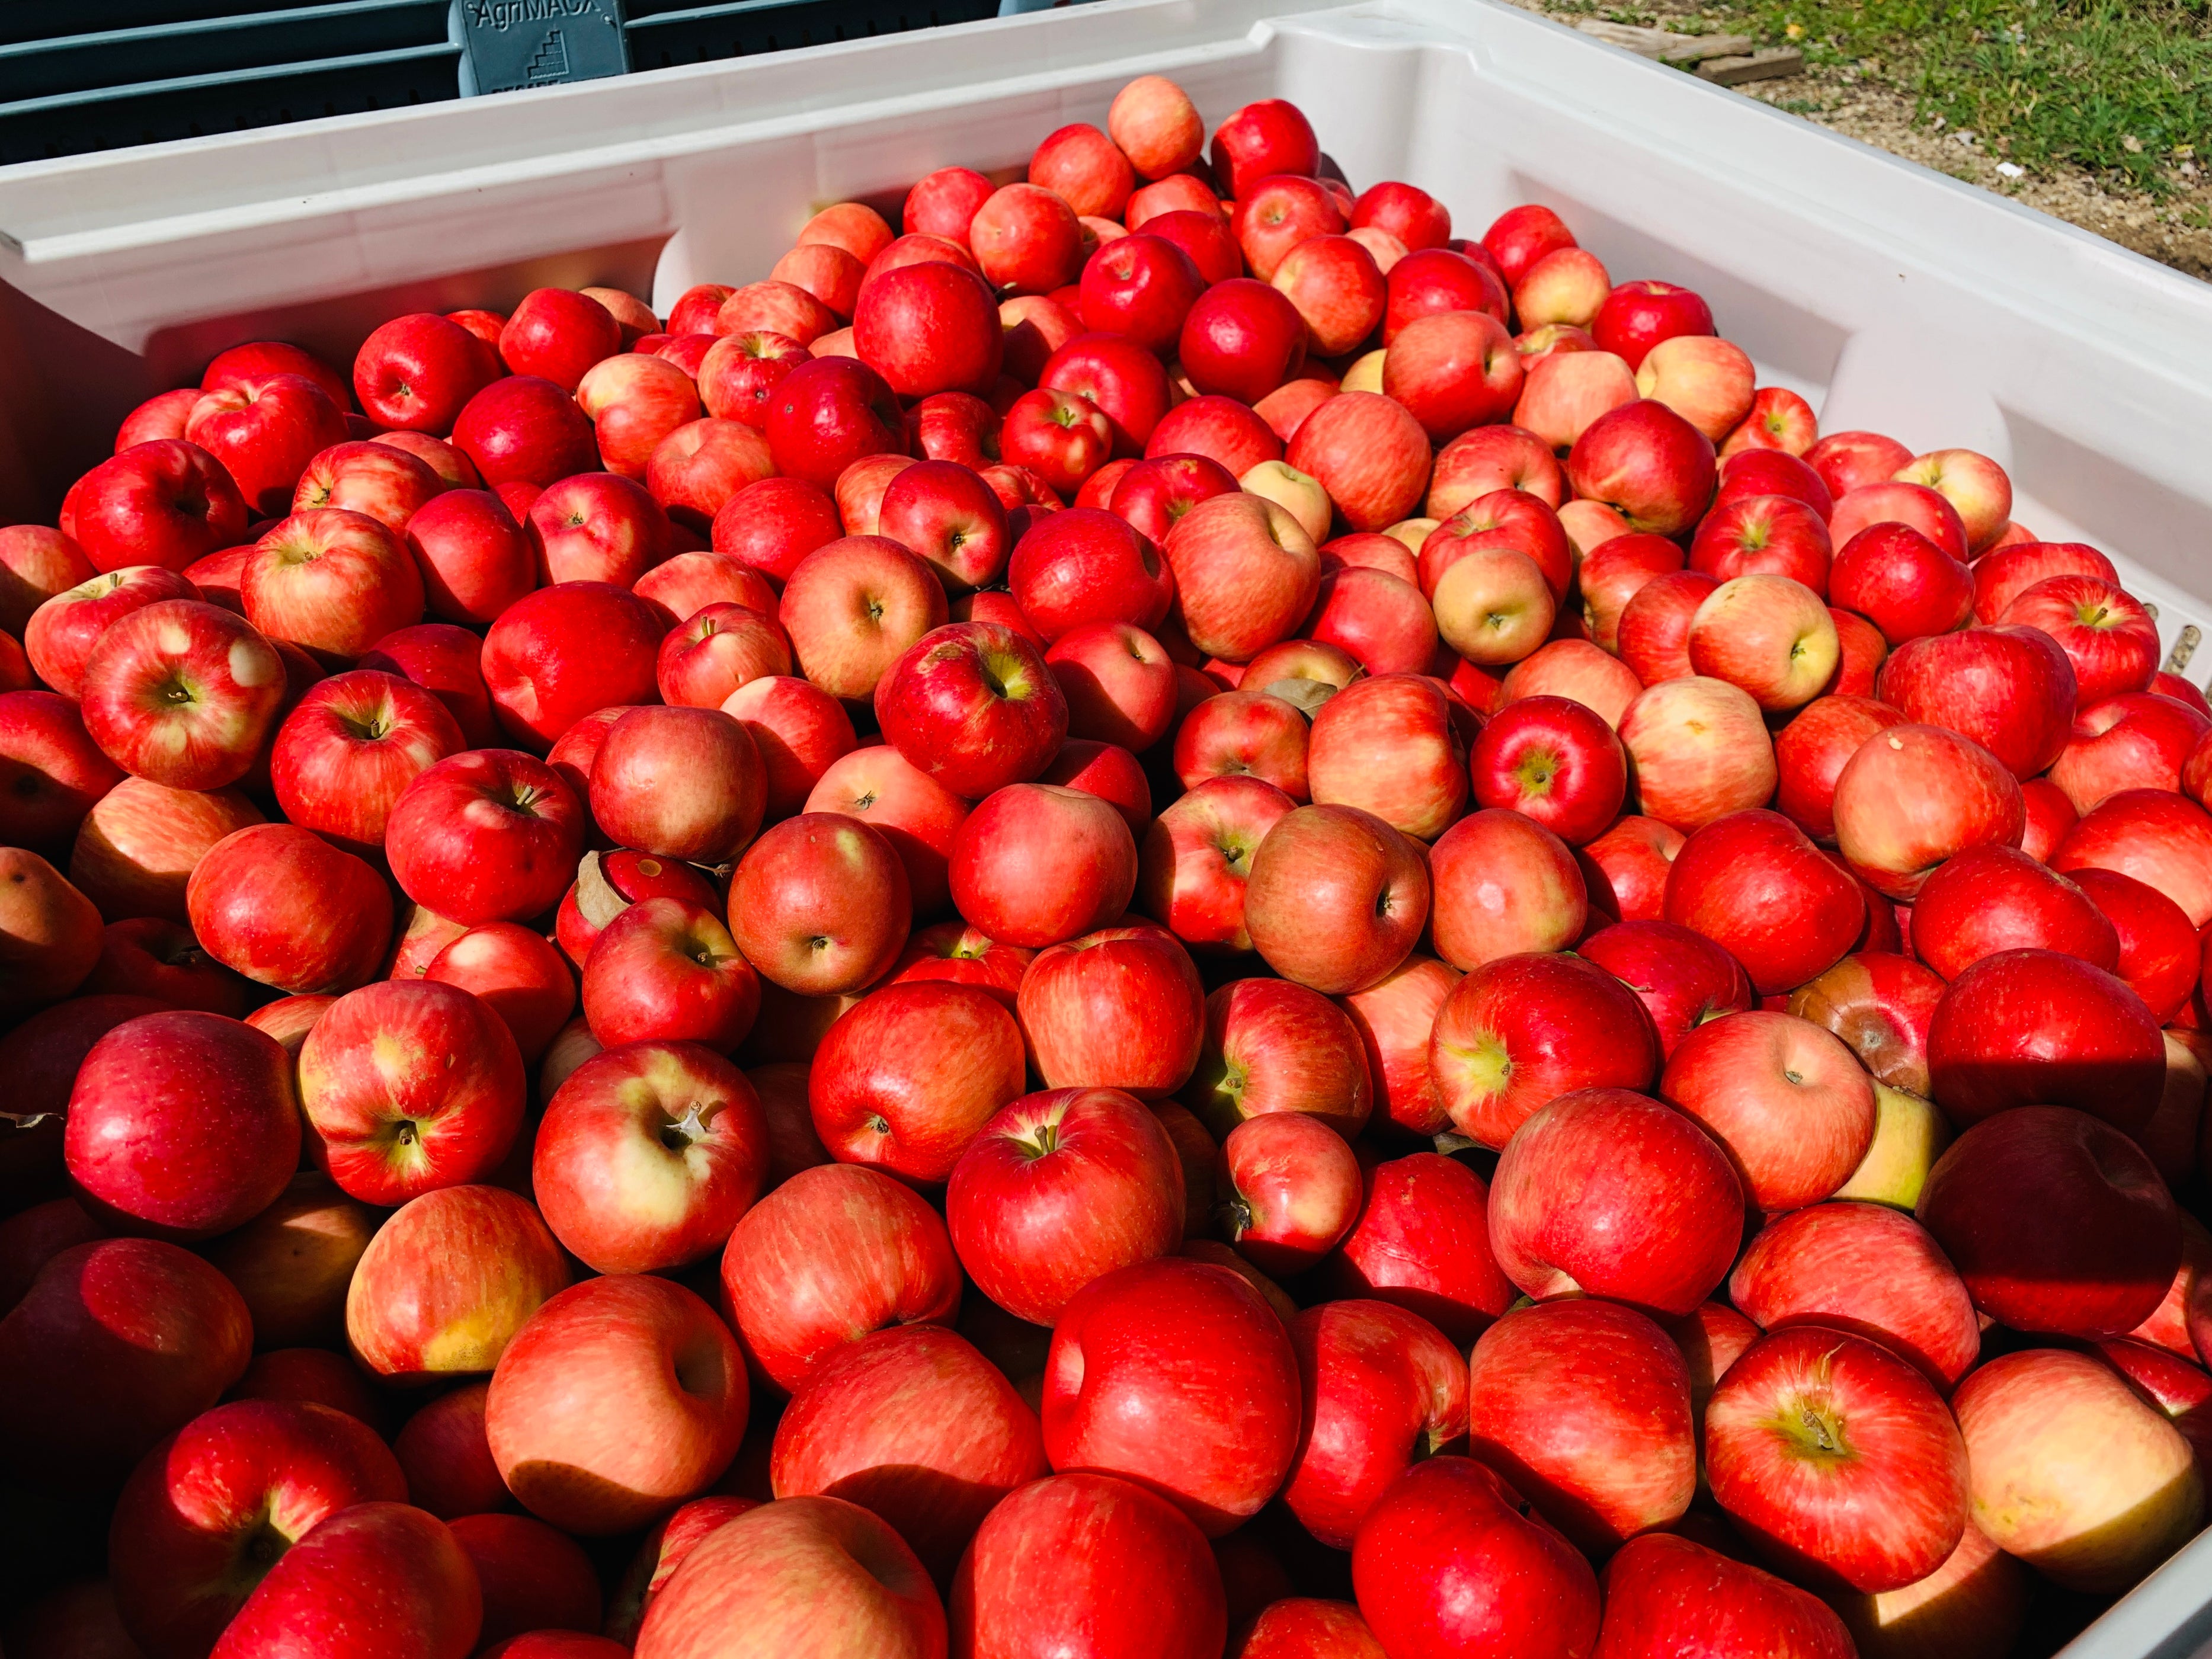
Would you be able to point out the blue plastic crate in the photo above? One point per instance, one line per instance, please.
(666, 33)
(91, 75)
(109, 73)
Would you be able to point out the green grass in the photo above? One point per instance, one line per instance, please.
(2122, 87)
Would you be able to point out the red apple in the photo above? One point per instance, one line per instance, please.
(1997, 898)
(558, 333)
(556, 654)
(777, 307)
(718, 650)
(524, 429)
(666, 970)
(51, 773)
(853, 607)
(1280, 213)
(739, 372)
(486, 835)
(1220, 429)
(1036, 863)
(972, 705)
(2160, 959)
(619, 1398)
(1121, 1008)
(1555, 761)
(2136, 740)
(834, 1253)
(1866, 1269)
(1335, 898)
(820, 904)
(1915, 795)
(1653, 633)
(647, 1157)
(1274, 1047)
(2056, 1221)
(1521, 1031)
(182, 694)
(447, 1281)
(1698, 750)
(2033, 1026)
(1910, 506)
(1663, 1590)
(519, 975)
(1735, 879)
(164, 501)
(1109, 1533)
(331, 1589)
(1584, 1406)
(1783, 1096)
(916, 1426)
(136, 850)
(351, 746)
(264, 428)
(1879, 1005)
(2073, 1472)
(597, 527)
(1059, 1188)
(61, 633)
(827, 414)
(1626, 868)
(1838, 1459)
(475, 559)
(1684, 979)
(2106, 633)
(1486, 458)
(929, 328)
(1614, 1195)
(1422, 1244)
(385, 1136)
(1027, 240)
(1241, 734)
(1197, 857)
(182, 1125)
(1503, 884)
(2008, 689)
(1769, 635)
(1647, 462)
(1383, 1389)
(1448, 1562)
(283, 907)
(1387, 746)
(416, 372)
(1291, 1191)
(1370, 455)
(1184, 1342)
(906, 1079)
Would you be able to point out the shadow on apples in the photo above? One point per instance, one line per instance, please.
(935, 1512)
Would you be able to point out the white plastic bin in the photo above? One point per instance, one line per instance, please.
(1892, 297)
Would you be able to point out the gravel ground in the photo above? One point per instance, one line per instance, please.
(1862, 102)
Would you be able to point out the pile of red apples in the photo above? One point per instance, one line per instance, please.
(1158, 916)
